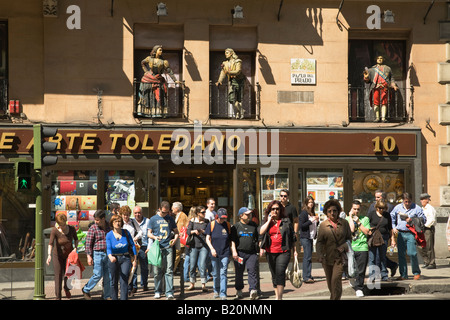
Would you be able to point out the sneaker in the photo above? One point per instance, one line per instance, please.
(416, 276)
(170, 297)
(216, 295)
(253, 295)
(431, 266)
(157, 295)
(239, 294)
(359, 293)
(223, 298)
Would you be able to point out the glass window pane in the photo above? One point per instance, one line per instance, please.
(366, 182)
(271, 185)
(324, 185)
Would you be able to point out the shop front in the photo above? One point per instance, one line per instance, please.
(236, 167)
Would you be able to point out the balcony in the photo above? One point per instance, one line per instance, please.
(170, 106)
(400, 105)
(220, 108)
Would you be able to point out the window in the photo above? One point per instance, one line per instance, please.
(153, 101)
(3, 68)
(362, 54)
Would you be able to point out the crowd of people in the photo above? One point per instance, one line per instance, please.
(117, 245)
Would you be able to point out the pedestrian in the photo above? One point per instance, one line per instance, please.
(244, 247)
(359, 226)
(210, 216)
(199, 250)
(141, 254)
(381, 195)
(136, 234)
(278, 241)
(331, 244)
(121, 252)
(308, 222)
(162, 227)
(380, 220)
(63, 240)
(219, 242)
(97, 257)
(181, 220)
(402, 215)
(187, 251)
(429, 232)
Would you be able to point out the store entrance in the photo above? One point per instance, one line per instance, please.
(192, 185)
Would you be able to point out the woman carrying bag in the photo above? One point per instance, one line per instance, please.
(277, 240)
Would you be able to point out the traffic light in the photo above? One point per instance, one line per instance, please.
(41, 147)
(23, 175)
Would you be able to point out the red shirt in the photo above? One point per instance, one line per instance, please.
(275, 238)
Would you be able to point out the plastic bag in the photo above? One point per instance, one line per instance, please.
(352, 269)
(296, 275)
(154, 254)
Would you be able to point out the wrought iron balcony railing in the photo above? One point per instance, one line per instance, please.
(399, 104)
(221, 108)
(151, 102)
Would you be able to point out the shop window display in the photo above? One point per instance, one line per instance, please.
(74, 194)
(324, 185)
(366, 182)
(271, 185)
(120, 188)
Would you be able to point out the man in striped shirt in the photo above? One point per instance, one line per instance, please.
(96, 256)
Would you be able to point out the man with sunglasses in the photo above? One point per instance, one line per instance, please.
(289, 209)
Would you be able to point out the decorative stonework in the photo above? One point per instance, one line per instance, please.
(50, 8)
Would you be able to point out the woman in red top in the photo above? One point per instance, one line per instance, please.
(280, 234)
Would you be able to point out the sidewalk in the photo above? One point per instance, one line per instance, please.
(432, 281)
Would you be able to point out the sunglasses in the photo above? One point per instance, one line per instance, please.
(283, 196)
(275, 209)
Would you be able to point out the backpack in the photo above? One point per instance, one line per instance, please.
(213, 223)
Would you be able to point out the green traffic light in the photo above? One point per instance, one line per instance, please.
(23, 184)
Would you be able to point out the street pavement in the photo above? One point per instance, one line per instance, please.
(434, 284)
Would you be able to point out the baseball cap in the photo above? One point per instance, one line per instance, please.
(424, 196)
(243, 210)
(222, 213)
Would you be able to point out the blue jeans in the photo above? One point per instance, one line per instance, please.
(198, 257)
(307, 245)
(120, 270)
(165, 270)
(187, 257)
(407, 242)
(220, 278)
(377, 257)
(143, 264)
(100, 269)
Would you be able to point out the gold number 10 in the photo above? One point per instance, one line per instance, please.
(389, 144)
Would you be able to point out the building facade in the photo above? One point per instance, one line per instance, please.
(309, 121)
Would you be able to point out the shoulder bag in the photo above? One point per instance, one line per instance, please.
(375, 239)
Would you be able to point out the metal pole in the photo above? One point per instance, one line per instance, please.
(39, 293)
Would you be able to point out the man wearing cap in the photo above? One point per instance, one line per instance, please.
(244, 247)
(218, 240)
(430, 214)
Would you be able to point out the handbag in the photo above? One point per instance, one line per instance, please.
(295, 275)
(183, 235)
(154, 254)
(375, 239)
(265, 241)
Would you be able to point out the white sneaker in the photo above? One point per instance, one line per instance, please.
(170, 297)
(253, 294)
(359, 293)
(157, 295)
